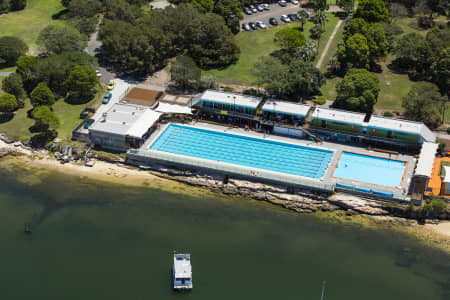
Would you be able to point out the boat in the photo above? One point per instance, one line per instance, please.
(182, 272)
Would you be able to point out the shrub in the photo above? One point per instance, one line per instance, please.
(448, 130)
(396, 29)
(320, 100)
(388, 114)
(253, 92)
(439, 205)
(425, 22)
(441, 25)
(442, 147)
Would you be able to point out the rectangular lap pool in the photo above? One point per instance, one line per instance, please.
(370, 169)
(244, 151)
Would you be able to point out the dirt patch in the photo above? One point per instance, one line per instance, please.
(158, 81)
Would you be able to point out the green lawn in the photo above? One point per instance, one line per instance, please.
(27, 23)
(68, 114)
(256, 44)
(329, 27)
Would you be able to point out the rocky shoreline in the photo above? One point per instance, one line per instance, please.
(305, 201)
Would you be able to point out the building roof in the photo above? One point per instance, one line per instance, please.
(447, 174)
(231, 98)
(284, 107)
(426, 159)
(173, 108)
(144, 97)
(403, 126)
(182, 265)
(338, 115)
(126, 119)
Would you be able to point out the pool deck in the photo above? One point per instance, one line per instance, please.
(325, 182)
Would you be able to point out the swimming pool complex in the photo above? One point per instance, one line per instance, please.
(370, 169)
(243, 150)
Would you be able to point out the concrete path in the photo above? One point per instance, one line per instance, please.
(4, 74)
(330, 40)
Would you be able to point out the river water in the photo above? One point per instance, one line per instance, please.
(92, 240)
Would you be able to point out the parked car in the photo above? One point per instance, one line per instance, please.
(246, 27)
(253, 8)
(253, 26)
(273, 21)
(285, 19)
(261, 24)
(260, 7)
(247, 11)
(98, 74)
(295, 2)
(266, 6)
(293, 17)
(111, 85)
(307, 13)
(282, 3)
(107, 98)
(88, 123)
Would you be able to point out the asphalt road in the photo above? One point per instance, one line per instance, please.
(275, 12)
(93, 49)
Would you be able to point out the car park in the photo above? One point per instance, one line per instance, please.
(282, 3)
(247, 11)
(261, 24)
(293, 17)
(285, 19)
(266, 6)
(295, 2)
(253, 8)
(260, 7)
(253, 26)
(246, 27)
(273, 22)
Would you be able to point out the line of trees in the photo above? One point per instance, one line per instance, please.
(144, 45)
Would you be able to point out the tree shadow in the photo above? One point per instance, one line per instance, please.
(60, 15)
(6, 117)
(43, 138)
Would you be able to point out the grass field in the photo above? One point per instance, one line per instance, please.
(68, 114)
(27, 23)
(256, 44)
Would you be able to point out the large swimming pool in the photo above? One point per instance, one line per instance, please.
(370, 169)
(244, 151)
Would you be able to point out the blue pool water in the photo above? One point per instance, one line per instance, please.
(245, 151)
(370, 169)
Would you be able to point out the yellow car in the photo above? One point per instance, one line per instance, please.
(111, 85)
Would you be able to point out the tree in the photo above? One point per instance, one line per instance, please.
(423, 104)
(319, 5)
(185, 73)
(297, 80)
(302, 17)
(372, 11)
(8, 103)
(81, 83)
(358, 91)
(45, 119)
(413, 53)
(17, 4)
(307, 52)
(4, 6)
(440, 72)
(289, 39)
(204, 6)
(355, 51)
(13, 85)
(316, 32)
(42, 95)
(55, 39)
(11, 48)
(346, 5)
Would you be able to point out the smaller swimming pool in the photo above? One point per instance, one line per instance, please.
(370, 169)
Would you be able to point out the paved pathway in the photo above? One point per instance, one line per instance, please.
(330, 40)
(4, 74)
